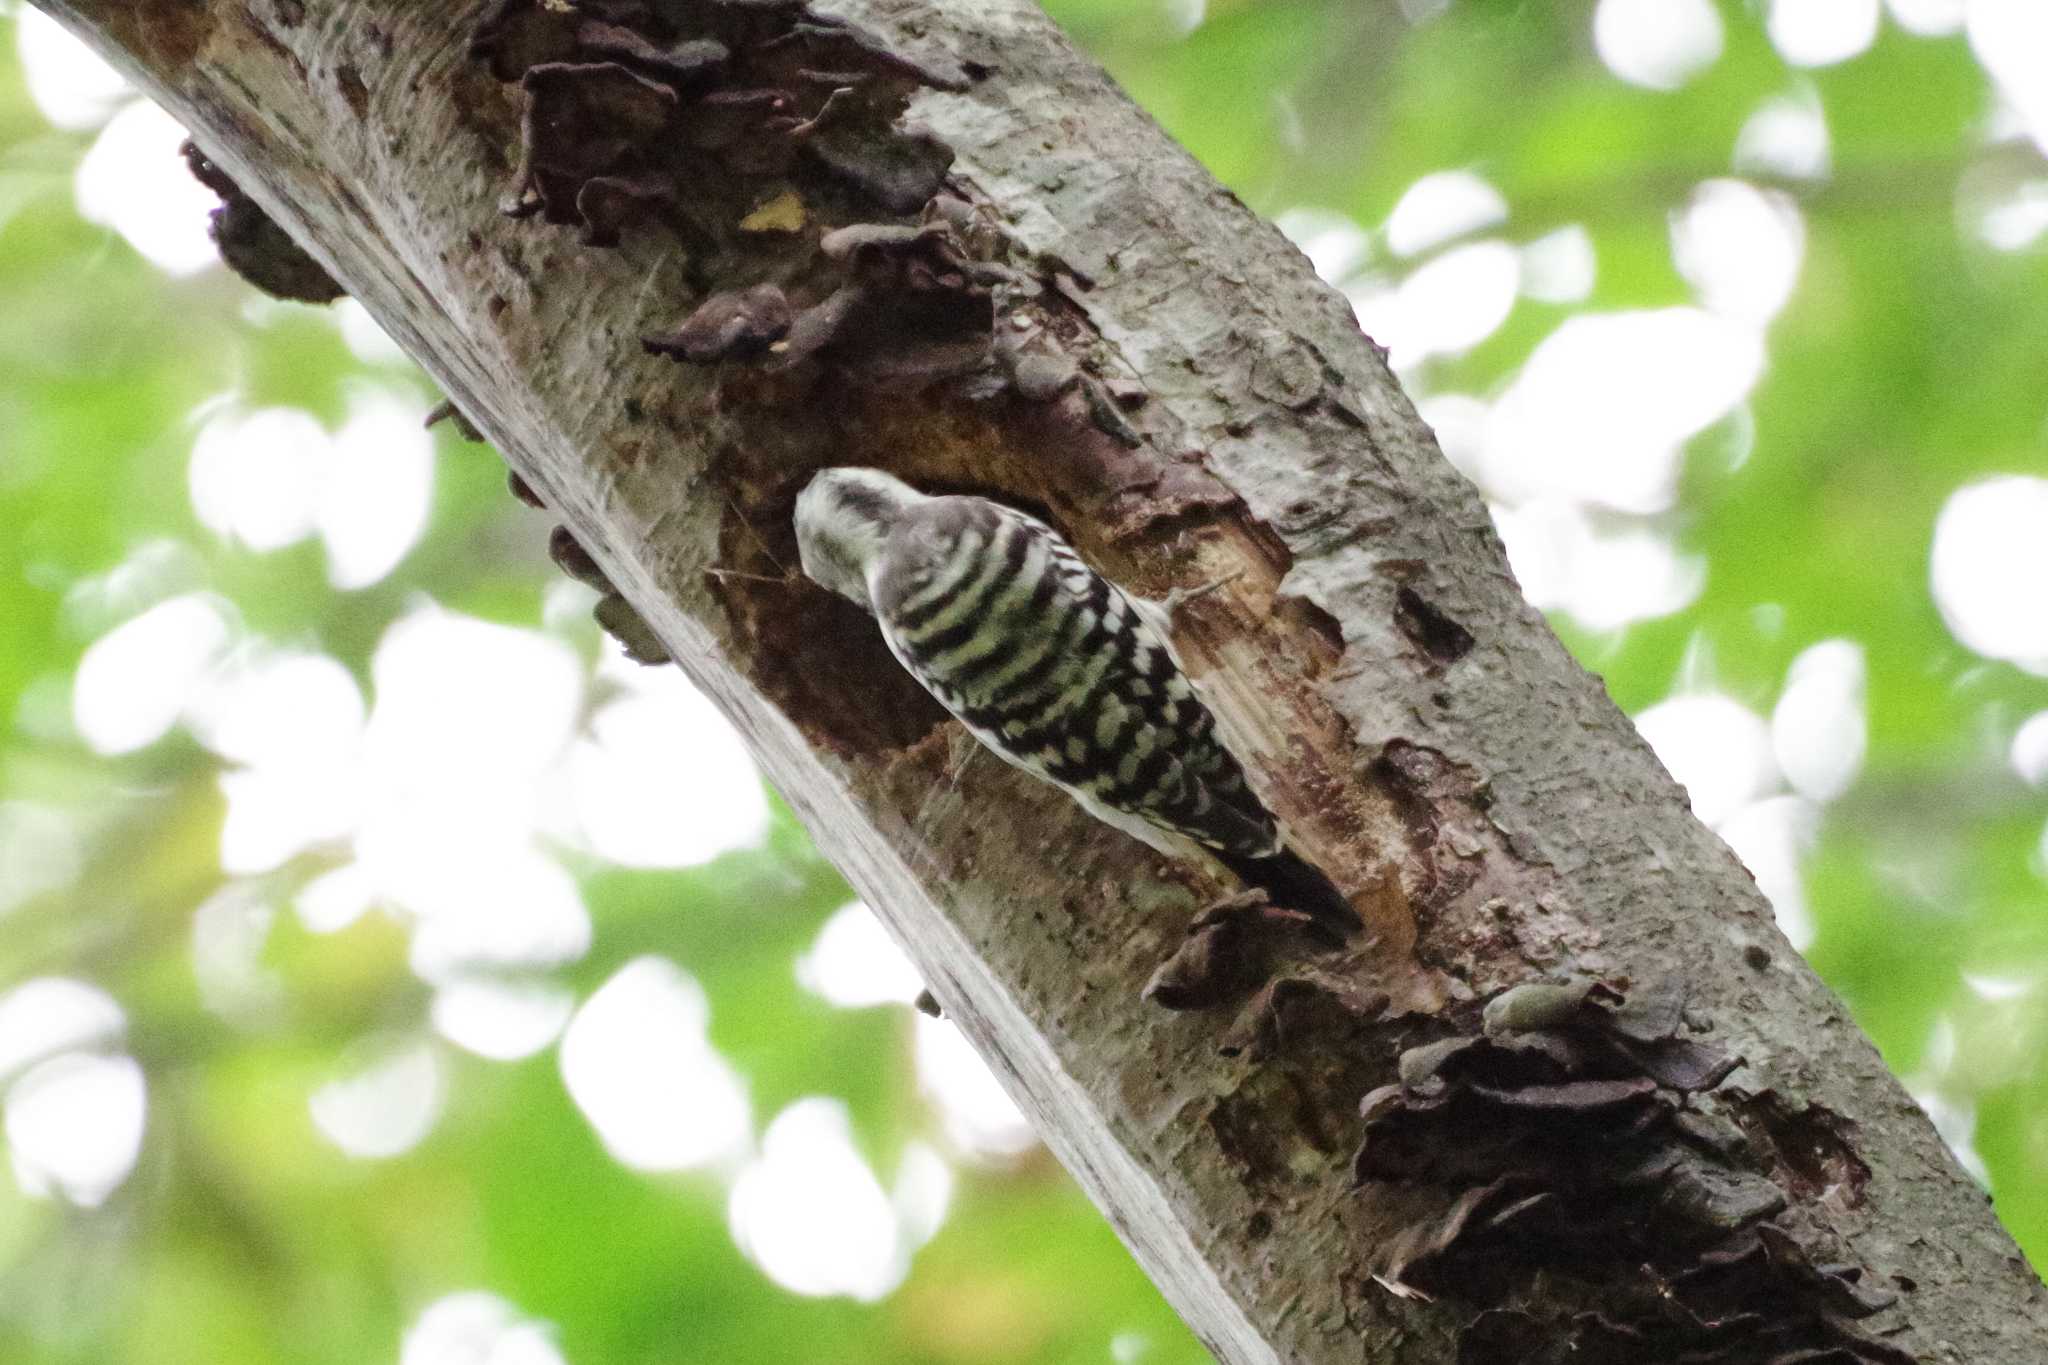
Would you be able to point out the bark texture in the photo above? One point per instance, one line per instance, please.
(673, 255)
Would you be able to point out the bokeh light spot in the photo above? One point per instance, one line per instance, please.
(1740, 247)
(134, 181)
(1787, 136)
(476, 1328)
(51, 1014)
(663, 780)
(1560, 266)
(253, 476)
(1772, 837)
(2029, 752)
(386, 1108)
(1604, 571)
(135, 681)
(1715, 747)
(1449, 304)
(2010, 38)
(502, 1018)
(376, 490)
(1990, 560)
(1928, 18)
(639, 1063)
(366, 341)
(71, 85)
(74, 1125)
(1818, 730)
(1821, 32)
(854, 963)
(1441, 207)
(811, 1213)
(1660, 44)
(1602, 409)
(979, 1116)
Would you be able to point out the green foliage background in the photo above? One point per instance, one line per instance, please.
(1910, 360)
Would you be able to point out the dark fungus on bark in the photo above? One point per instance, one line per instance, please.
(522, 490)
(626, 626)
(446, 411)
(254, 246)
(1561, 1137)
(572, 559)
(1229, 952)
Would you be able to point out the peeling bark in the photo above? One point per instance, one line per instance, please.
(672, 256)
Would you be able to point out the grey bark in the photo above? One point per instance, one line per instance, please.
(1416, 724)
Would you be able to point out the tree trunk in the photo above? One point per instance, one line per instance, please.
(633, 259)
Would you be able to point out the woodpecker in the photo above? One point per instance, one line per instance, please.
(1052, 667)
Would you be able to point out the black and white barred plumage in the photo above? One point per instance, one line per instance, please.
(1049, 665)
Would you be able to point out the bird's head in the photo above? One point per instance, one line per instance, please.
(843, 517)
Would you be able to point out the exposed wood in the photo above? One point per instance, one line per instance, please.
(1107, 336)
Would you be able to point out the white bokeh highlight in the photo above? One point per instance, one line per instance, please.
(134, 181)
(1740, 248)
(268, 479)
(1659, 44)
(853, 963)
(1602, 409)
(637, 1060)
(135, 681)
(811, 1213)
(662, 779)
(1821, 32)
(436, 795)
(334, 900)
(376, 492)
(71, 85)
(385, 1109)
(1928, 18)
(1718, 750)
(2003, 214)
(978, 1115)
(75, 1107)
(1818, 728)
(290, 723)
(2010, 38)
(503, 1019)
(1442, 207)
(1560, 266)
(1604, 571)
(253, 475)
(1445, 306)
(1787, 137)
(1989, 562)
(75, 1124)
(366, 341)
(1773, 837)
(47, 1015)
(2029, 751)
(477, 1328)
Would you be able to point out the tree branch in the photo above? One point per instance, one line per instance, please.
(1045, 300)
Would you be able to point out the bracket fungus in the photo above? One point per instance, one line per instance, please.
(1562, 1137)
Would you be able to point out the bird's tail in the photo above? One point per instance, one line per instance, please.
(1296, 884)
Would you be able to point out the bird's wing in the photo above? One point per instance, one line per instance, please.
(1051, 666)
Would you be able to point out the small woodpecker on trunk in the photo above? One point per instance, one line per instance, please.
(1052, 667)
